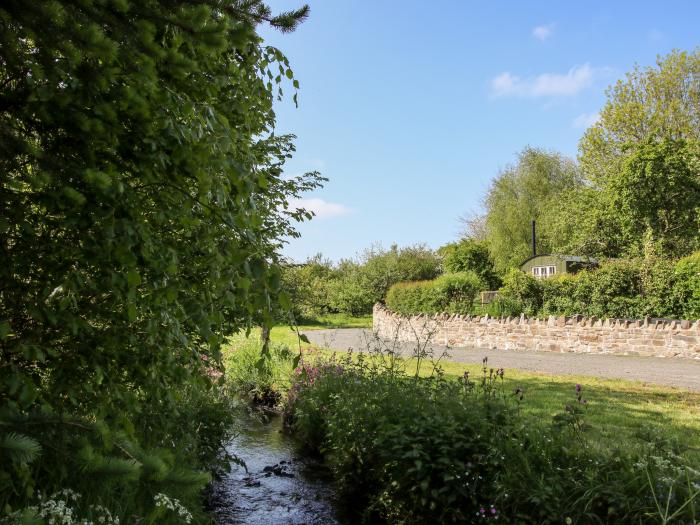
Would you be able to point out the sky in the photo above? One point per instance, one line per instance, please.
(411, 108)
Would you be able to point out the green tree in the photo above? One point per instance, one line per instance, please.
(519, 194)
(657, 194)
(651, 103)
(470, 255)
(362, 282)
(141, 213)
(654, 197)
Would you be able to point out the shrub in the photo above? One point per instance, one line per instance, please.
(524, 289)
(505, 307)
(469, 255)
(413, 298)
(454, 293)
(358, 284)
(653, 287)
(429, 450)
(686, 291)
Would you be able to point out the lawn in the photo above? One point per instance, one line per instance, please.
(616, 409)
(287, 335)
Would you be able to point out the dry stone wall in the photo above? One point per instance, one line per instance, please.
(647, 337)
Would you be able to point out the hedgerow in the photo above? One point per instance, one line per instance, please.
(451, 292)
(652, 287)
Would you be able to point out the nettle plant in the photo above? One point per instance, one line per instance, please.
(142, 209)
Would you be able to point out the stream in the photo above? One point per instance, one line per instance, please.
(279, 487)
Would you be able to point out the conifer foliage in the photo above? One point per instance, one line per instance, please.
(141, 212)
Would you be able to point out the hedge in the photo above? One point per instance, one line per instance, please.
(453, 293)
(652, 287)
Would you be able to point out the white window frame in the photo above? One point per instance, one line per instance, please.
(542, 272)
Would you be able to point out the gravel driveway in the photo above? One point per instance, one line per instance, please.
(676, 372)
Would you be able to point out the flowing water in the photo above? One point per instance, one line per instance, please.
(279, 486)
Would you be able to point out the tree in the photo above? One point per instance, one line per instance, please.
(657, 195)
(652, 103)
(519, 194)
(470, 255)
(141, 208)
(654, 198)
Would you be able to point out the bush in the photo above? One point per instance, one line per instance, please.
(521, 288)
(631, 289)
(416, 297)
(686, 291)
(505, 307)
(469, 255)
(429, 450)
(358, 284)
(453, 293)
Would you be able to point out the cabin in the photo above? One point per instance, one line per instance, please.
(545, 266)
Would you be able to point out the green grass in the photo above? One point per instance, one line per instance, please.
(284, 334)
(337, 321)
(616, 409)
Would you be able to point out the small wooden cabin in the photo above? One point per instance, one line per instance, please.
(545, 266)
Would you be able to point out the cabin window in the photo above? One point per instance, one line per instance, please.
(542, 272)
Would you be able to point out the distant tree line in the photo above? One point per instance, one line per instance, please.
(631, 199)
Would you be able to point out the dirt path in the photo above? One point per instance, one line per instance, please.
(676, 372)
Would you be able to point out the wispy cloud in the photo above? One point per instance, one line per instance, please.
(585, 120)
(543, 32)
(321, 208)
(570, 83)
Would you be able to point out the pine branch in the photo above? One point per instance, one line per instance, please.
(20, 448)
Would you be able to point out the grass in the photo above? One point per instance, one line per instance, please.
(284, 334)
(617, 409)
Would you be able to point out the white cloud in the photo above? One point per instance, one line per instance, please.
(323, 209)
(585, 120)
(542, 33)
(545, 84)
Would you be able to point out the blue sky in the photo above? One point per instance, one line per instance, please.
(411, 108)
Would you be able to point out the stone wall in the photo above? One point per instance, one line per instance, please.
(648, 337)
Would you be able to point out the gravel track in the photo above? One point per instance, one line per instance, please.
(674, 372)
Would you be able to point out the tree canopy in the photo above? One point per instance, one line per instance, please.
(522, 193)
(142, 206)
(650, 103)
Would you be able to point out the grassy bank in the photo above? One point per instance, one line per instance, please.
(407, 449)
(616, 409)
